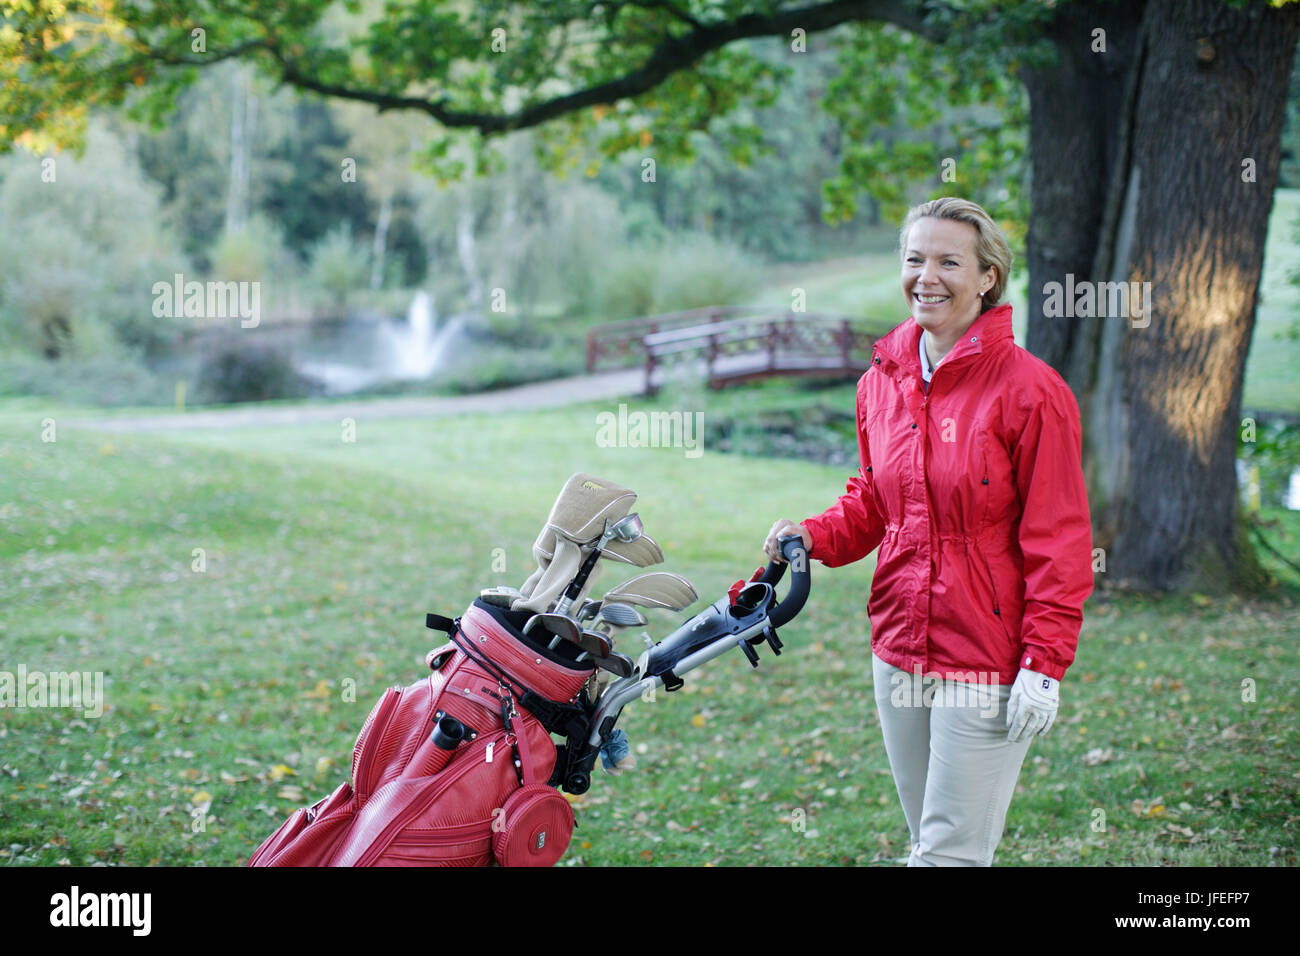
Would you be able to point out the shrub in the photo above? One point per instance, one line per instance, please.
(242, 373)
(94, 381)
(698, 270)
(340, 267)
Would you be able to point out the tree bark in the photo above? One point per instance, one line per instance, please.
(380, 245)
(1152, 190)
(242, 117)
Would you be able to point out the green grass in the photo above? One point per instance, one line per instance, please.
(226, 688)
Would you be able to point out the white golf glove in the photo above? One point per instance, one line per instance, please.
(1031, 708)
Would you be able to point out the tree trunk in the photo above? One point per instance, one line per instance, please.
(242, 114)
(380, 245)
(465, 245)
(1143, 182)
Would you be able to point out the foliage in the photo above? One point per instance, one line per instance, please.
(238, 372)
(81, 259)
(945, 122)
(1275, 451)
(96, 380)
(494, 66)
(252, 254)
(340, 266)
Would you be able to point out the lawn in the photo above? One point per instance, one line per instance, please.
(228, 689)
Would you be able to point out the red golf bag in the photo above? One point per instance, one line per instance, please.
(453, 770)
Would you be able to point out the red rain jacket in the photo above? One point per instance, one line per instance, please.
(973, 490)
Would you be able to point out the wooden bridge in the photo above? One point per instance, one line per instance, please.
(734, 344)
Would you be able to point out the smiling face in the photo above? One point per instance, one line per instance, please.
(942, 278)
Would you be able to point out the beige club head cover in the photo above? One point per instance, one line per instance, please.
(577, 520)
(655, 589)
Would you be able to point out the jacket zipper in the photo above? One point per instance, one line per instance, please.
(997, 609)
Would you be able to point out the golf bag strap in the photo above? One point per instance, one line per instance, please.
(553, 715)
(526, 758)
(436, 622)
(556, 717)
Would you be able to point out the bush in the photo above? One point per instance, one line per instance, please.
(339, 267)
(80, 259)
(622, 284)
(485, 369)
(698, 270)
(250, 255)
(684, 272)
(97, 381)
(240, 373)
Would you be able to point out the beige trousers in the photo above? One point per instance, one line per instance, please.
(954, 768)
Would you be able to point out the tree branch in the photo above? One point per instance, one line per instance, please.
(670, 56)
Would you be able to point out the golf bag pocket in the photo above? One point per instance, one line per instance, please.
(533, 828)
(309, 836)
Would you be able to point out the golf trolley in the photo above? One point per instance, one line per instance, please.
(461, 768)
(746, 617)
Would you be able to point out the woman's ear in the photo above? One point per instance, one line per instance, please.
(993, 272)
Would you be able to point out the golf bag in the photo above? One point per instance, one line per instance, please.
(460, 768)
(452, 770)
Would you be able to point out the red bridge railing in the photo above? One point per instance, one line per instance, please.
(734, 344)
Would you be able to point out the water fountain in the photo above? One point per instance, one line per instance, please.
(415, 350)
(412, 350)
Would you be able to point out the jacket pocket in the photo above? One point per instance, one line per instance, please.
(993, 591)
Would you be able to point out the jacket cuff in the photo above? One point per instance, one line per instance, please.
(1037, 659)
(810, 525)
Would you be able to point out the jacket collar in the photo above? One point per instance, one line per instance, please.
(990, 332)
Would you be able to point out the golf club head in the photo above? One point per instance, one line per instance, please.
(595, 643)
(589, 609)
(620, 614)
(620, 665)
(559, 626)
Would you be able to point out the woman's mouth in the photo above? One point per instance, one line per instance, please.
(930, 299)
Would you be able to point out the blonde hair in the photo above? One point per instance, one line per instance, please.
(991, 247)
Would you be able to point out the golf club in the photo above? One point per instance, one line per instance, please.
(593, 643)
(617, 614)
(627, 528)
(562, 627)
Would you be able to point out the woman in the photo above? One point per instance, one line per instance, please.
(971, 485)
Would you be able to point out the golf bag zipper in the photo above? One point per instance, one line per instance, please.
(432, 789)
(375, 726)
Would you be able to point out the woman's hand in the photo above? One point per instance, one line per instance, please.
(1031, 709)
(780, 530)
